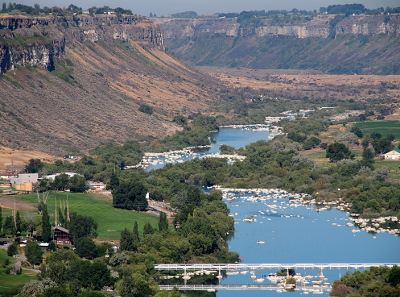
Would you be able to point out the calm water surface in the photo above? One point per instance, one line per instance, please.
(294, 233)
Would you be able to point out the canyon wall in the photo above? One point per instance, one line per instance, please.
(319, 27)
(37, 41)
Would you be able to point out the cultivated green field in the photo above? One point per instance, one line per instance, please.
(8, 281)
(383, 127)
(111, 221)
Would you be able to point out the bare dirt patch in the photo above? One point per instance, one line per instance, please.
(16, 160)
(7, 202)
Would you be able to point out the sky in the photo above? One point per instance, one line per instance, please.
(168, 7)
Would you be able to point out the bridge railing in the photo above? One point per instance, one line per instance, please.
(259, 266)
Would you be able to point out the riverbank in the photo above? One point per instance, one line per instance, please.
(370, 225)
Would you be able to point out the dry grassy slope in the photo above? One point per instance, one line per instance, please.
(107, 84)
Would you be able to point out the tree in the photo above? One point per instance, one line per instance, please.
(77, 184)
(148, 229)
(61, 182)
(118, 259)
(52, 246)
(86, 248)
(357, 131)
(193, 196)
(46, 227)
(114, 181)
(382, 146)
(81, 226)
(368, 154)
(163, 222)
(35, 287)
(376, 135)
(12, 249)
(394, 276)
(135, 235)
(56, 292)
(130, 195)
(338, 151)
(9, 227)
(18, 223)
(391, 136)
(126, 241)
(34, 166)
(33, 252)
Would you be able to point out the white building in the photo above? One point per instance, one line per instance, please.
(392, 155)
(53, 176)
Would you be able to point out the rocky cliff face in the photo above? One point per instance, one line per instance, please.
(369, 25)
(36, 41)
(355, 44)
(318, 27)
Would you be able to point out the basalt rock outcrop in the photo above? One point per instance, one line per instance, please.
(72, 83)
(36, 41)
(318, 27)
(335, 44)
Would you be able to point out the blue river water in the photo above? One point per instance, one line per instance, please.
(295, 233)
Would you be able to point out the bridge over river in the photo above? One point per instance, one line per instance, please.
(240, 287)
(260, 266)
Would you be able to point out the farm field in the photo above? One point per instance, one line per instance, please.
(111, 221)
(382, 127)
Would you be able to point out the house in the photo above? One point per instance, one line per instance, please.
(8, 175)
(392, 155)
(96, 186)
(61, 235)
(24, 181)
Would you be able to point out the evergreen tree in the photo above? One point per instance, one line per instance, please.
(126, 241)
(9, 227)
(46, 227)
(18, 223)
(135, 235)
(148, 229)
(114, 181)
(163, 222)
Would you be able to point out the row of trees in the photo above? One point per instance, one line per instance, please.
(377, 281)
(15, 9)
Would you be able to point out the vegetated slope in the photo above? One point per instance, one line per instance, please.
(343, 55)
(357, 44)
(94, 90)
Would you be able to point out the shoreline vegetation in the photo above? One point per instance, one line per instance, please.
(203, 224)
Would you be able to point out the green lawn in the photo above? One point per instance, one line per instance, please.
(111, 221)
(8, 281)
(383, 127)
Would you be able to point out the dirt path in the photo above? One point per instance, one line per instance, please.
(8, 202)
